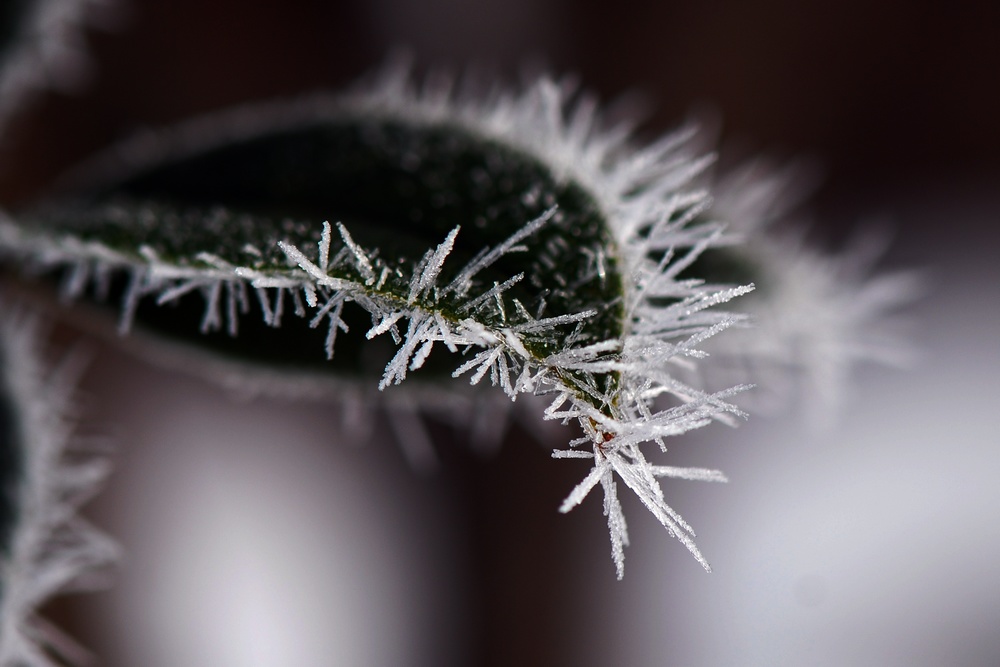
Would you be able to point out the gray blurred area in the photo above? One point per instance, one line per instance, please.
(256, 538)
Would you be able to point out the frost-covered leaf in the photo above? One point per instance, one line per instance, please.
(425, 217)
(508, 238)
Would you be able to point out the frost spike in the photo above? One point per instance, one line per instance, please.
(424, 279)
(361, 259)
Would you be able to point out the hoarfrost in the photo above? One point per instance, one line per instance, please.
(614, 389)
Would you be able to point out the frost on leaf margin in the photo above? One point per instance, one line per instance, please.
(620, 389)
(47, 548)
(816, 315)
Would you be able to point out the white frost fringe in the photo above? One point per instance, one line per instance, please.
(816, 315)
(640, 192)
(644, 194)
(52, 549)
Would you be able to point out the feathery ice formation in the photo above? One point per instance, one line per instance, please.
(45, 547)
(516, 230)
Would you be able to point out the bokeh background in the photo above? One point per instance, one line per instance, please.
(254, 536)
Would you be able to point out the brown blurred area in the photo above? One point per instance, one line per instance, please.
(888, 97)
(880, 93)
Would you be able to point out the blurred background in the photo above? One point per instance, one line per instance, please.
(254, 538)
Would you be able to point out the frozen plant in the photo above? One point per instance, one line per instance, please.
(554, 249)
(45, 547)
(414, 230)
(556, 257)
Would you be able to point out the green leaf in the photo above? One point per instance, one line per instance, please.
(399, 189)
(513, 238)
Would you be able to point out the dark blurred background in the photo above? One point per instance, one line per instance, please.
(882, 94)
(897, 103)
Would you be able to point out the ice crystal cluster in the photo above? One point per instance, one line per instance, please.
(405, 239)
(561, 276)
(515, 238)
(45, 547)
(816, 315)
(412, 230)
